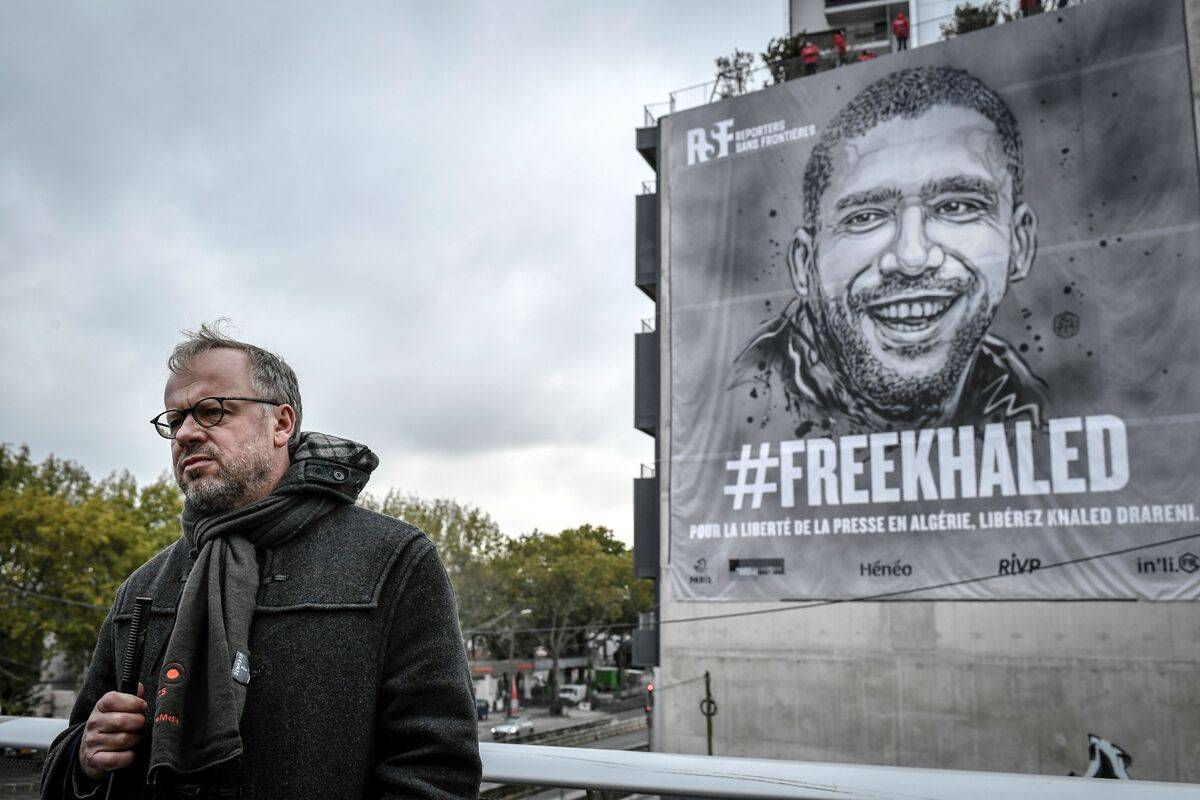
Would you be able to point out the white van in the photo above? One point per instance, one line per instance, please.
(572, 693)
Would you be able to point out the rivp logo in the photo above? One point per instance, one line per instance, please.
(706, 143)
(1019, 566)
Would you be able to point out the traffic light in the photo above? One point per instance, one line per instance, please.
(649, 697)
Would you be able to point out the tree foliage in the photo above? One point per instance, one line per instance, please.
(67, 537)
(783, 57)
(733, 73)
(971, 17)
(577, 583)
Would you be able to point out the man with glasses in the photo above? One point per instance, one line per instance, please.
(297, 644)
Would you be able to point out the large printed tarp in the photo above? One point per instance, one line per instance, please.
(934, 322)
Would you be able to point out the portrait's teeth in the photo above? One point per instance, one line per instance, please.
(915, 311)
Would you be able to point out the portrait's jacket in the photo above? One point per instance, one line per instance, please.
(358, 676)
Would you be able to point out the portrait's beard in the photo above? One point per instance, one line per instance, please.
(240, 475)
(897, 395)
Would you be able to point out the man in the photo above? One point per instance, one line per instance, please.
(900, 28)
(914, 226)
(298, 646)
(840, 46)
(810, 54)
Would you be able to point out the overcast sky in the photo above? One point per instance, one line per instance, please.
(426, 208)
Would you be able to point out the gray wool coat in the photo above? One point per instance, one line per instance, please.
(358, 676)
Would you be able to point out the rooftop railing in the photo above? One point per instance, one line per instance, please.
(625, 772)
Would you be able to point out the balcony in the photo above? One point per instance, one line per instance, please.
(836, 5)
(645, 382)
(645, 641)
(647, 143)
(646, 236)
(645, 527)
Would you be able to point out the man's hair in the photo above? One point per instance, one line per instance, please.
(270, 375)
(909, 93)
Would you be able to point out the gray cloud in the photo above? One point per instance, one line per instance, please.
(427, 208)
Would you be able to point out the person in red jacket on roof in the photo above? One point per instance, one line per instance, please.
(866, 55)
(900, 28)
(810, 54)
(839, 44)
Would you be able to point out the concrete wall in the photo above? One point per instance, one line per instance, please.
(1007, 686)
(1012, 687)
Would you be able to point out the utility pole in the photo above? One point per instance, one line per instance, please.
(708, 707)
(513, 703)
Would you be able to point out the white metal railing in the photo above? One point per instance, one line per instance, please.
(34, 732)
(698, 94)
(742, 778)
(652, 111)
(749, 778)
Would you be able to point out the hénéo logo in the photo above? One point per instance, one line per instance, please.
(882, 569)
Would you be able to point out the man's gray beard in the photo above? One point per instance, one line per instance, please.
(896, 396)
(237, 479)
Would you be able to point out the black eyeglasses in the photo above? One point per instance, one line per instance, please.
(207, 413)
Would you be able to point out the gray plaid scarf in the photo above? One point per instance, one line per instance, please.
(206, 667)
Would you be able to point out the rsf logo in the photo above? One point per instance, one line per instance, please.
(701, 567)
(708, 143)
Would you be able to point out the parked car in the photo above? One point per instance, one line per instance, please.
(513, 728)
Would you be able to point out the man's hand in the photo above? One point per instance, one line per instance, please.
(112, 732)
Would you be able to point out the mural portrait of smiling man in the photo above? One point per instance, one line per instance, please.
(900, 298)
(915, 226)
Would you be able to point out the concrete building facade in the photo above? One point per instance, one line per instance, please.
(868, 23)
